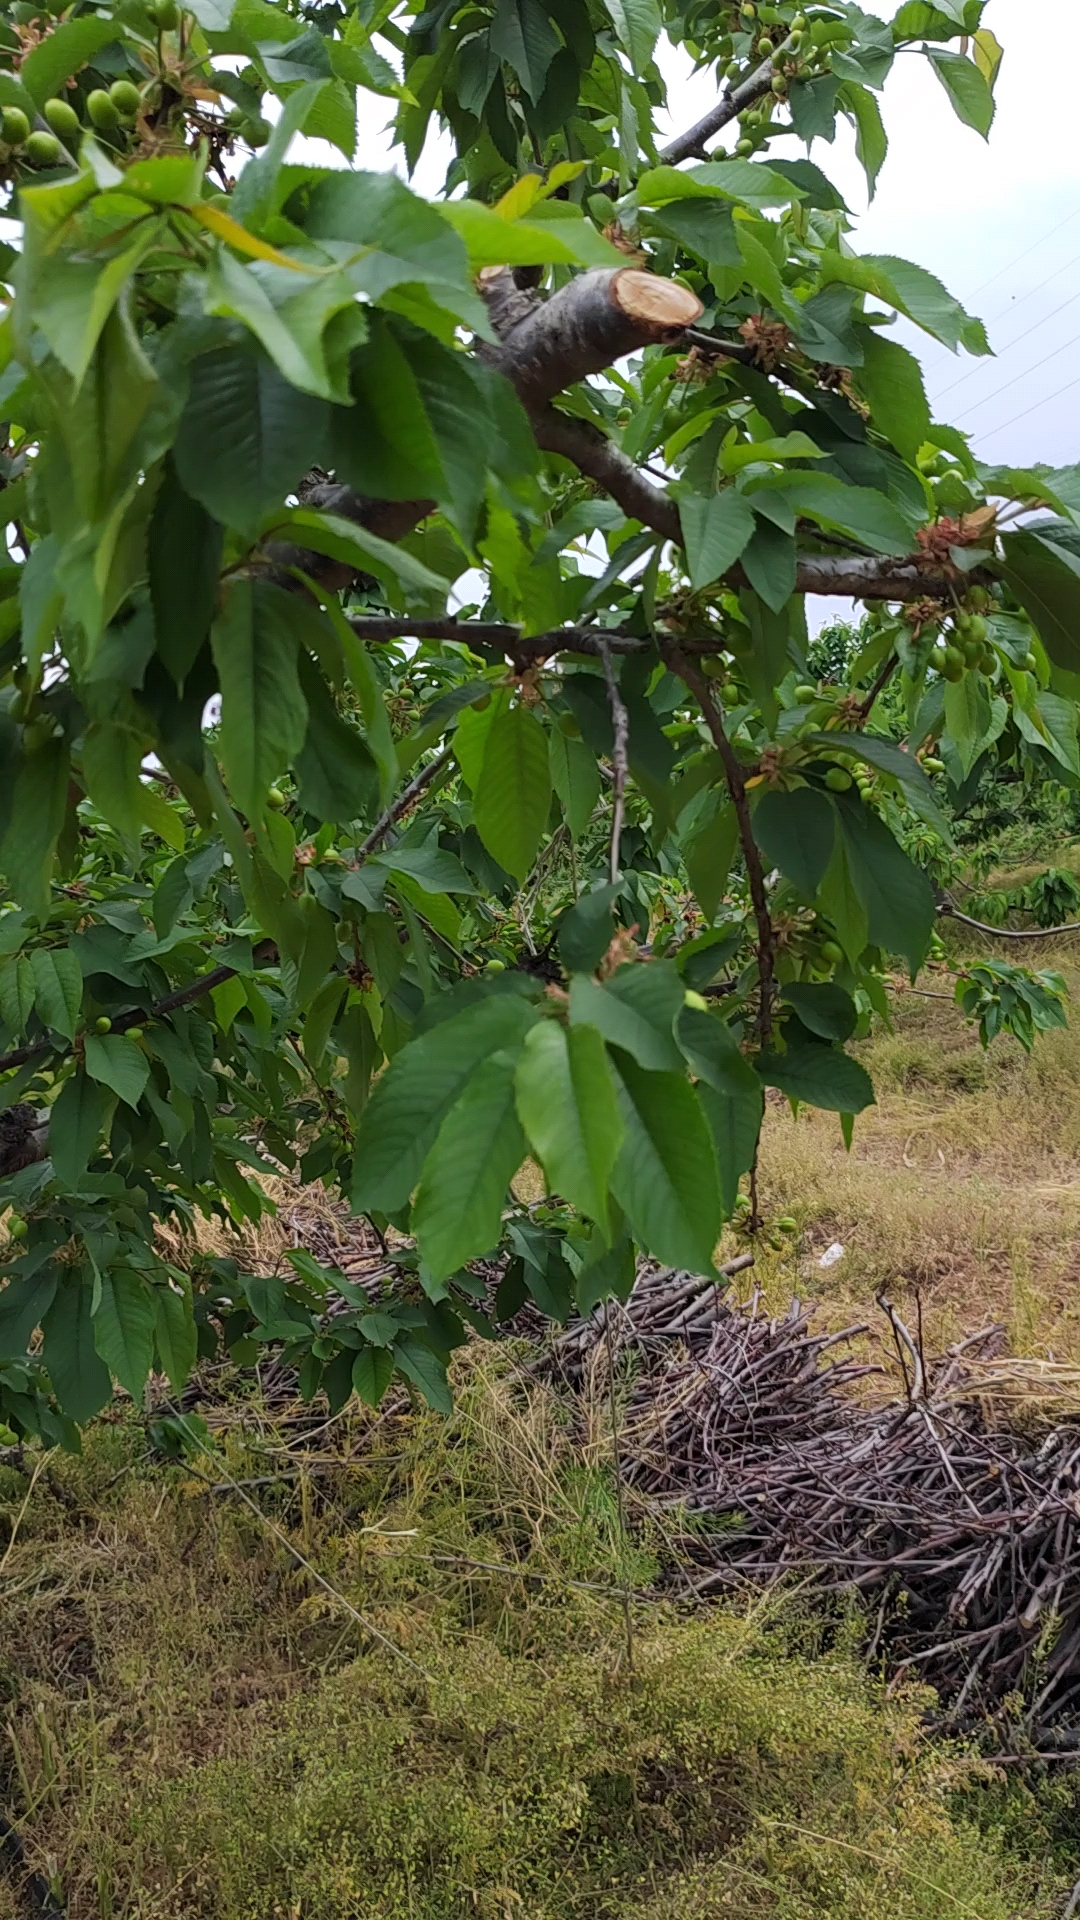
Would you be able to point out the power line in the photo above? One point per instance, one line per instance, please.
(1056, 355)
(1025, 334)
(1034, 247)
(1036, 406)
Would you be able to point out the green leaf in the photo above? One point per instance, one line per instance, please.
(896, 894)
(111, 758)
(433, 869)
(1046, 580)
(861, 511)
(891, 380)
(335, 768)
(524, 36)
(175, 1332)
(734, 1120)
(37, 815)
(842, 905)
(457, 1213)
(665, 1178)
(492, 241)
(80, 1378)
(871, 141)
(715, 531)
(708, 853)
(425, 1370)
(118, 1063)
(967, 88)
(246, 437)
(796, 832)
(821, 1076)
(713, 1051)
(635, 1010)
(749, 182)
(911, 290)
(373, 1370)
(24, 1300)
(637, 23)
(824, 1009)
(58, 988)
(183, 550)
(63, 51)
(263, 711)
(75, 1122)
(343, 540)
(18, 990)
(513, 792)
(575, 777)
(587, 930)
(124, 1329)
(885, 754)
(609, 1271)
(567, 1104)
(413, 1097)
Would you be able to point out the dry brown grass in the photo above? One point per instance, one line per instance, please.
(962, 1190)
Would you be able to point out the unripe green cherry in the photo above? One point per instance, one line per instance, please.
(17, 1227)
(15, 126)
(977, 628)
(954, 664)
(732, 70)
(766, 48)
(838, 780)
(276, 799)
(833, 952)
(103, 1024)
(102, 110)
(44, 149)
(126, 98)
(167, 14)
(805, 694)
(134, 1033)
(744, 148)
(1030, 663)
(62, 118)
(495, 966)
(257, 131)
(779, 86)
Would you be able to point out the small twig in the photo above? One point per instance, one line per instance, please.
(620, 721)
(950, 912)
(404, 801)
(736, 781)
(879, 686)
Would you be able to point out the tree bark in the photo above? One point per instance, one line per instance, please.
(597, 318)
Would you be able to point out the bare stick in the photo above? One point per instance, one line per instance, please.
(691, 144)
(620, 721)
(949, 912)
(404, 801)
(736, 782)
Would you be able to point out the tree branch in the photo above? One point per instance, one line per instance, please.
(691, 144)
(947, 911)
(403, 802)
(736, 782)
(620, 721)
(595, 319)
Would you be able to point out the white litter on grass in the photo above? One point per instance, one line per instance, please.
(831, 1255)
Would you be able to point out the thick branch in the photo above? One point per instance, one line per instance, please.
(600, 460)
(736, 782)
(594, 320)
(691, 144)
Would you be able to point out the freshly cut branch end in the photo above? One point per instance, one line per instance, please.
(664, 307)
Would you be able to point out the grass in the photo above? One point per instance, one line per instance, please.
(193, 1729)
(962, 1187)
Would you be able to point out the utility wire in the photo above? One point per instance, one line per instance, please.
(1024, 334)
(1036, 406)
(1027, 371)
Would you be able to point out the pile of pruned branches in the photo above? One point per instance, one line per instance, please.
(962, 1535)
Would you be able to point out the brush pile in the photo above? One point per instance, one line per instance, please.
(962, 1535)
